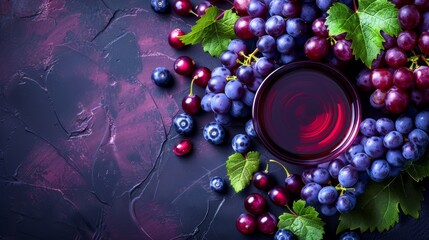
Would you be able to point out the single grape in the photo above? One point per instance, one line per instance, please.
(368, 127)
(276, 7)
(310, 193)
(307, 175)
(352, 151)
(248, 97)
(287, 58)
(359, 187)
(384, 126)
(284, 234)
(241, 6)
(422, 121)
(379, 170)
(419, 137)
(201, 8)
(404, 124)
(239, 109)
(319, 28)
(160, 6)
(220, 103)
(244, 74)
(285, 43)
(246, 223)
(374, 147)
(335, 167)
(206, 102)
(264, 66)
(241, 143)
(397, 100)
(229, 59)
(327, 195)
(234, 90)
(407, 40)
(316, 48)
(256, 8)
(403, 78)
(409, 17)
(345, 203)
(396, 57)
(348, 176)
(241, 28)
(395, 158)
(214, 133)
(162, 77)
(250, 130)
(173, 38)
(393, 140)
(296, 27)
(267, 223)
(343, 50)
(263, 181)
(378, 99)
(410, 151)
(361, 161)
(266, 44)
(320, 176)
(381, 78)
(275, 26)
(324, 5)
(217, 84)
(221, 71)
(291, 9)
(389, 42)
(294, 184)
(257, 27)
(422, 77)
(363, 80)
(238, 46)
(254, 85)
(328, 210)
(255, 203)
(379, 62)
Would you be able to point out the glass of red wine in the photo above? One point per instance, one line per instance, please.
(306, 113)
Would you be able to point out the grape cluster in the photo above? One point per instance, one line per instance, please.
(381, 150)
(396, 78)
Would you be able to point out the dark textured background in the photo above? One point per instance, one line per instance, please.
(86, 139)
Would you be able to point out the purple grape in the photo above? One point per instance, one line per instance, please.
(234, 89)
(220, 103)
(217, 84)
(257, 27)
(320, 176)
(393, 140)
(384, 126)
(206, 102)
(310, 192)
(374, 147)
(361, 161)
(395, 158)
(266, 44)
(345, 203)
(368, 127)
(327, 195)
(335, 167)
(348, 176)
(275, 26)
(379, 170)
(256, 8)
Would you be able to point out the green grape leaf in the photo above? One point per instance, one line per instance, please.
(364, 25)
(240, 169)
(419, 170)
(304, 222)
(378, 208)
(215, 33)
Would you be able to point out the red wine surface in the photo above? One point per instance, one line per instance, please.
(305, 113)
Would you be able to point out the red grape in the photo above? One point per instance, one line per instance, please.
(316, 48)
(381, 78)
(407, 40)
(241, 28)
(174, 40)
(424, 43)
(241, 7)
(409, 17)
(319, 28)
(343, 50)
(422, 77)
(397, 100)
(403, 78)
(396, 57)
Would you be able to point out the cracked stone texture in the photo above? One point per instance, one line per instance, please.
(86, 139)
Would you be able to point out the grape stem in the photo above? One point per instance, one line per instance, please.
(196, 15)
(342, 189)
(355, 6)
(291, 211)
(248, 59)
(229, 78)
(287, 172)
(191, 92)
(266, 168)
(423, 57)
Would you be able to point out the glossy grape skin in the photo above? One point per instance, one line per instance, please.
(294, 184)
(307, 175)
(257, 27)
(335, 167)
(214, 133)
(246, 223)
(422, 121)
(238, 46)
(393, 140)
(384, 126)
(183, 147)
(255, 203)
(254, 85)
(206, 102)
(241, 28)
(316, 48)
(174, 40)
(396, 57)
(229, 59)
(327, 195)
(420, 98)
(310, 192)
(320, 176)
(275, 26)
(296, 27)
(379, 62)
(284, 234)
(381, 78)
(368, 127)
(234, 89)
(264, 66)
(328, 210)
(419, 137)
(244, 74)
(275, 7)
(389, 42)
(263, 181)
(403, 78)
(221, 71)
(291, 9)
(407, 40)
(191, 104)
(345, 203)
(397, 100)
(182, 7)
(266, 44)
(378, 99)
(343, 50)
(201, 8)
(422, 77)
(361, 161)
(160, 6)
(184, 65)
(319, 28)
(250, 130)
(267, 223)
(162, 77)
(374, 147)
(409, 17)
(410, 151)
(395, 158)
(279, 196)
(379, 170)
(183, 124)
(256, 8)
(201, 76)
(348, 176)
(241, 6)
(220, 103)
(285, 43)
(217, 84)
(404, 124)
(248, 97)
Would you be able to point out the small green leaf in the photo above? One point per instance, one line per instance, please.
(419, 170)
(378, 207)
(215, 34)
(363, 26)
(304, 222)
(240, 169)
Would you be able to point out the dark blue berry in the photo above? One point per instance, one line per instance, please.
(250, 130)
(214, 133)
(160, 6)
(217, 184)
(162, 77)
(241, 143)
(284, 234)
(183, 123)
(349, 236)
